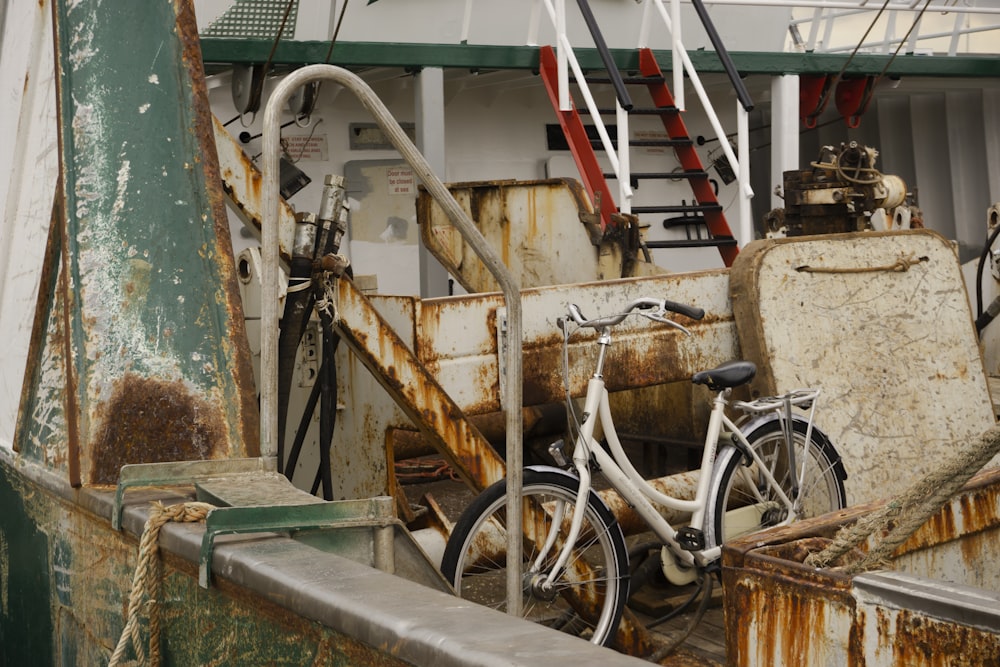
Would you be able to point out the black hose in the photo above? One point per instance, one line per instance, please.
(983, 319)
(327, 404)
(298, 306)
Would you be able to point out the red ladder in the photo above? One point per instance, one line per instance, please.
(706, 208)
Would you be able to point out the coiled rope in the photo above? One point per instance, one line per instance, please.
(148, 580)
(910, 510)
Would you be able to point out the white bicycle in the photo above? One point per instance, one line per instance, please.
(774, 468)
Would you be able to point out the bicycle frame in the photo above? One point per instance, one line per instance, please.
(637, 491)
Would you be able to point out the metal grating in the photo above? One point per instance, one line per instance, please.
(255, 19)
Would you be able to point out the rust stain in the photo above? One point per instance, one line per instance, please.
(788, 614)
(919, 640)
(148, 420)
(979, 511)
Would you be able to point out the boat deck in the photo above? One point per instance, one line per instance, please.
(705, 646)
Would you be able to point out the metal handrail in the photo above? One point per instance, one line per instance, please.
(624, 99)
(619, 158)
(720, 49)
(509, 284)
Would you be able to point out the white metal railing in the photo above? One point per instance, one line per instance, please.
(566, 60)
(619, 158)
(741, 165)
(932, 22)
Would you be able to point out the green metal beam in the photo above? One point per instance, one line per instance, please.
(154, 357)
(225, 52)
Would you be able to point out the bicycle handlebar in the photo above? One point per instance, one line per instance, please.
(643, 304)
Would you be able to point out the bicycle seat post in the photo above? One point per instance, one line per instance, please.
(603, 341)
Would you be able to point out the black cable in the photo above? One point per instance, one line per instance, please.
(336, 31)
(300, 434)
(826, 92)
(677, 611)
(983, 319)
(327, 406)
(706, 586)
(274, 47)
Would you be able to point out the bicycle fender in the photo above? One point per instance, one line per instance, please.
(818, 434)
(547, 468)
(565, 473)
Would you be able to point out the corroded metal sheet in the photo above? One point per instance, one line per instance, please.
(457, 338)
(937, 600)
(415, 390)
(881, 323)
(157, 366)
(545, 232)
(243, 184)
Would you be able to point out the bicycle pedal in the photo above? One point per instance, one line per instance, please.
(691, 539)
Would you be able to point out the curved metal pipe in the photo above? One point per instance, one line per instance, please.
(269, 288)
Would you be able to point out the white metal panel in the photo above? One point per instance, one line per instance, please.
(894, 352)
(969, 173)
(27, 122)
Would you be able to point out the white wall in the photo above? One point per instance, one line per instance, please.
(28, 174)
(511, 22)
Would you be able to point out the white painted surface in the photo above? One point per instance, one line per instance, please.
(894, 352)
(27, 137)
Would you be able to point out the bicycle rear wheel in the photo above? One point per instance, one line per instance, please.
(741, 502)
(589, 596)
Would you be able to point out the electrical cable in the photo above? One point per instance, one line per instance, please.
(984, 318)
(826, 92)
(274, 48)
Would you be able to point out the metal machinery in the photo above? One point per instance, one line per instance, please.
(842, 191)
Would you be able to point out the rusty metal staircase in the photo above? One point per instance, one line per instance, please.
(705, 210)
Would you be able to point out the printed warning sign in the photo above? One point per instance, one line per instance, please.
(305, 147)
(401, 181)
(652, 135)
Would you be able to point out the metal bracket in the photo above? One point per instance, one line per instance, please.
(376, 512)
(175, 473)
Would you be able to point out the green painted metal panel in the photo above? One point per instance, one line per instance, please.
(65, 578)
(25, 617)
(225, 52)
(158, 367)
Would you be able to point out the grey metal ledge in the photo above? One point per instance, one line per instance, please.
(942, 600)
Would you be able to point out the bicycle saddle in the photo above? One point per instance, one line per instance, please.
(729, 374)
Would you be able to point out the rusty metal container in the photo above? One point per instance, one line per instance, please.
(939, 604)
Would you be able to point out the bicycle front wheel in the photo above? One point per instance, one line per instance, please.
(588, 597)
(742, 502)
